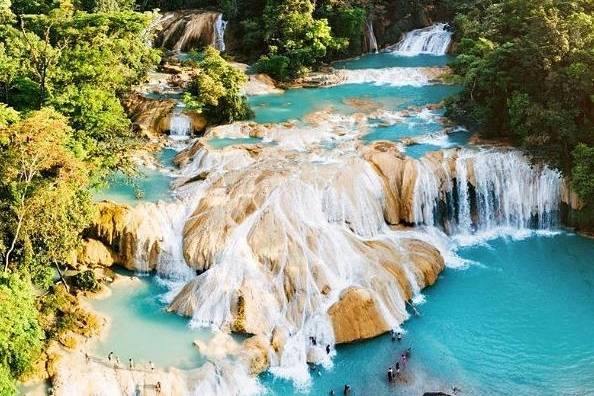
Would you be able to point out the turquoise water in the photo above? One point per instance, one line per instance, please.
(143, 330)
(295, 104)
(150, 185)
(220, 143)
(454, 139)
(414, 125)
(517, 322)
(381, 60)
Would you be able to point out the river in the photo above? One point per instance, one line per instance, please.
(512, 313)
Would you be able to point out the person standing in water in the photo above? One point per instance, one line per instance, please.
(390, 374)
(399, 336)
(403, 360)
(347, 390)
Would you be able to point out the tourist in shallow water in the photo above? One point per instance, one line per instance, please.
(399, 336)
(109, 356)
(151, 365)
(347, 390)
(328, 349)
(390, 374)
(403, 360)
(158, 388)
(393, 336)
(131, 363)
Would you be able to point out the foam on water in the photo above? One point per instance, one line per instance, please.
(395, 76)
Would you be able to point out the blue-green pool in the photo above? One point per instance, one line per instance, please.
(223, 142)
(149, 185)
(295, 104)
(143, 330)
(387, 59)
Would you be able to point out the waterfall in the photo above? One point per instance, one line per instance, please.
(370, 40)
(433, 40)
(180, 125)
(219, 33)
(487, 189)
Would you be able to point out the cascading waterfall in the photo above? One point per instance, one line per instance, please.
(180, 124)
(490, 189)
(433, 40)
(370, 40)
(219, 33)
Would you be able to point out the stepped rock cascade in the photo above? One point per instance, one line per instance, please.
(433, 40)
(370, 40)
(310, 233)
(191, 29)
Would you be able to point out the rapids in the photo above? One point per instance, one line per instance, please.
(317, 226)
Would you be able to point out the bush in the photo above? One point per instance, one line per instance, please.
(583, 169)
(296, 40)
(85, 280)
(216, 90)
(20, 333)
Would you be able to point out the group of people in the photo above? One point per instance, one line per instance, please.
(111, 357)
(400, 364)
(346, 390)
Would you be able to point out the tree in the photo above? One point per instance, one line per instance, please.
(583, 169)
(527, 70)
(296, 41)
(39, 171)
(216, 89)
(20, 334)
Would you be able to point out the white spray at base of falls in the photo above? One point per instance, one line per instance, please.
(433, 40)
(483, 190)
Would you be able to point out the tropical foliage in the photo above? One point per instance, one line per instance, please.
(62, 129)
(215, 90)
(527, 69)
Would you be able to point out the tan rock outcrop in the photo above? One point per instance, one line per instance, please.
(150, 117)
(356, 316)
(94, 252)
(427, 261)
(256, 353)
(133, 234)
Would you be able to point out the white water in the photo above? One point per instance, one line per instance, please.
(219, 33)
(394, 76)
(180, 125)
(370, 37)
(433, 40)
(490, 189)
